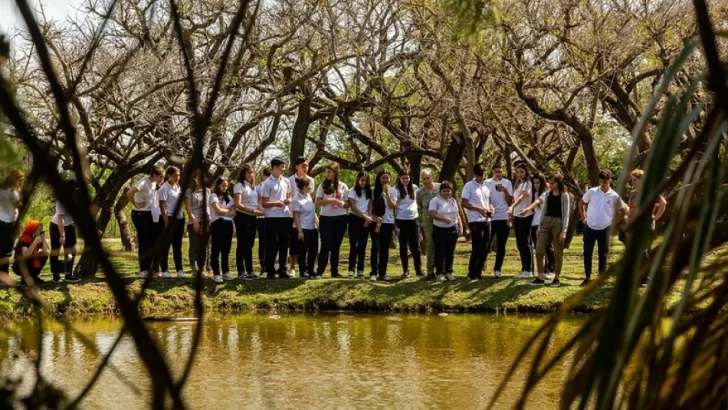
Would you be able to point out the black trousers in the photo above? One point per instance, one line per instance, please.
(479, 238)
(276, 239)
(307, 251)
(381, 242)
(601, 239)
(7, 242)
(155, 236)
(146, 237)
(445, 240)
(499, 232)
(550, 260)
(222, 241)
(245, 226)
(522, 229)
(408, 231)
(69, 248)
(260, 222)
(358, 239)
(178, 232)
(332, 230)
(199, 249)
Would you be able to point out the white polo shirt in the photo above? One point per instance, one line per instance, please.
(303, 204)
(388, 217)
(499, 198)
(331, 209)
(276, 190)
(61, 213)
(171, 195)
(406, 206)
(526, 202)
(477, 195)
(144, 194)
(248, 195)
(294, 188)
(600, 209)
(447, 208)
(229, 204)
(361, 202)
(9, 201)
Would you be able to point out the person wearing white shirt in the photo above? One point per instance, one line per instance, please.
(360, 222)
(169, 196)
(222, 207)
(407, 222)
(260, 222)
(197, 205)
(10, 201)
(330, 197)
(384, 200)
(447, 226)
(539, 194)
(247, 212)
(300, 164)
(522, 195)
(501, 196)
(430, 190)
(475, 199)
(63, 234)
(275, 199)
(600, 208)
(306, 222)
(142, 197)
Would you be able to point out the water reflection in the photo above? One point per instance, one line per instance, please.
(299, 361)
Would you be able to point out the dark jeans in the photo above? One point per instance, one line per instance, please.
(69, 248)
(222, 241)
(522, 229)
(260, 222)
(499, 232)
(445, 241)
(146, 238)
(276, 244)
(550, 260)
(307, 251)
(408, 236)
(601, 237)
(245, 226)
(358, 238)
(479, 237)
(332, 230)
(199, 250)
(178, 232)
(381, 242)
(7, 242)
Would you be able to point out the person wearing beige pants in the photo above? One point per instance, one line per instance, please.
(552, 230)
(550, 233)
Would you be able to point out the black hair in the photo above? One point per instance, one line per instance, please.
(559, 179)
(535, 194)
(171, 170)
(155, 170)
(379, 207)
(329, 186)
(244, 169)
(478, 170)
(302, 183)
(216, 190)
(299, 160)
(276, 162)
(446, 185)
(367, 187)
(267, 171)
(496, 166)
(605, 174)
(409, 189)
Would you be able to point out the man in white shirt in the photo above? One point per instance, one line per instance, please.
(501, 196)
(604, 208)
(261, 223)
(276, 196)
(475, 199)
(301, 167)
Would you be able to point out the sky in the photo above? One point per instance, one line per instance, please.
(55, 9)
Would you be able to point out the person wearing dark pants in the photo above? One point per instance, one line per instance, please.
(381, 243)
(169, 197)
(31, 253)
(260, 222)
(247, 210)
(475, 199)
(501, 196)
(384, 200)
(198, 214)
(522, 198)
(143, 197)
(332, 220)
(360, 220)
(300, 166)
(447, 226)
(63, 234)
(222, 207)
(306, 223)
(600, 208)
(275, 199)
(538, 183)
(407, 223)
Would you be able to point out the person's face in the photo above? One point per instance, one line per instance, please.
(537, 184)
(604, 184)
(404, 179)
(363, 181)
(636, 181)
(307, 189)
(302, 168)
(552, 184)
(446, 193)
(157, 178)
(330, 174)
(19, 182)
(38, 231)
(521, 174)
(498, 173)
(384, 179)
(223, 186)
(279, 170)
(426, 179)
(173, 179)
(250, 175)
(196, 180)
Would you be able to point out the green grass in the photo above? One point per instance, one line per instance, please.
(167, 296)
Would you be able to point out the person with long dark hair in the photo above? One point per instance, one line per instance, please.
(169, 196)
(197, 206)
(31, 253)
(276, 198)
(300, 165)
(142, 197)
(306, 221)
(552, 228)
(383, 203)
(445, 215)
(475, 199)
(429, 191)
(10, 201)
(63, 234)
(501, 196)
(221, 228)
(406, 222)
(247, 206)
(360, 220)
(260, 222)
(332, 219)
(538, 183)
(522, 194)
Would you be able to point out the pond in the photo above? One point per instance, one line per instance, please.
(323, 361)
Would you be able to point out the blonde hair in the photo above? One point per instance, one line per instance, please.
(637, 173)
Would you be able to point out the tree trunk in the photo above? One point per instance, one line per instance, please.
(300, 128)
(121, 219)
(453, 156)
(415, 162)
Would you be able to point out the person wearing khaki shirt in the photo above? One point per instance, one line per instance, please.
(429, 191)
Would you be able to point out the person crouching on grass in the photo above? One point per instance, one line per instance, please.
(306, 222)
(31, 253)
(447, 227)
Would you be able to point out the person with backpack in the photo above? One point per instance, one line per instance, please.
(552, 228)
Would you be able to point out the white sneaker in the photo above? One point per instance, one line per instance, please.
(450, 277)
(292, 273)
(217, 279)
(227, 276)
(441, 278)
(497, 274)
(524, 275)
(166, 274)
(351, 274)
(373, 278)
(143, 274)
(180, 274)
(550, 276)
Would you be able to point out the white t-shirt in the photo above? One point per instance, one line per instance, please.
(601, 207)
(332, 209)
(538, 211)
(361, 202)
(447, 208)
(304, 205)
(477, 195)
(171, 195)
(276, 190)
(144, 194)
(294, 188)
(258, 189)
(388, 217)
(229, 204)
(406, 206)
(9, 200)
(156, 212)
(526, 202)
(197, 198)
(499, 198)
(248, 195)
(61, 211)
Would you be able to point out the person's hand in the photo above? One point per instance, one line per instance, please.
(562, 238)
(483, 212)
(523, 212)
(499, 188)
(419, 236)
(140, 205)
(346, 205)
(196, 226)
(447, 219)
(339, 202)
(584, 220)
(385, 188)
(379, 220)
(166, 220)
(62, 240)
(300, 235)
(460, 230)
(286, 202)
(38, 239)
(510, 211)
(538, 232)
(258, 212)
(367, 219)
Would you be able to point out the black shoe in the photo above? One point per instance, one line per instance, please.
(586, 282)
(556, 283)
(284, 276)
(537, 282)
(269, 276)
(70, 277)
(430, 276)
(251, 276)
(57, 277)
(420, 274)
(335, 276)
(473, 278)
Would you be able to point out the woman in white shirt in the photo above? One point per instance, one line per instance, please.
(142, 197)
(63, 234)
(407, 219)
(197, 205)
(446, 228)
(360, 221)
(10, 201)
(222, 211)
(169, 196)
(247, 212)
(330, 197)
(306, 223)
(384, 200)
(522, 198)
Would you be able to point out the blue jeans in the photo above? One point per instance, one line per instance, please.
(601, 237)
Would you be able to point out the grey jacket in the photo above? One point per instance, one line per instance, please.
(565, 210)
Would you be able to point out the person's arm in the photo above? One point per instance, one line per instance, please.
(238, 199)
(357, 211)
(435, 216)
(465, 203)
(163, 211)
(566, 214)
(460, 224)
(582, 210)
(391, 202)
(130, 196)
(621, 213)
(524, 193)
(659, 209)
(531, 207)
(61, 227)
(271, 204)
(297, 221)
